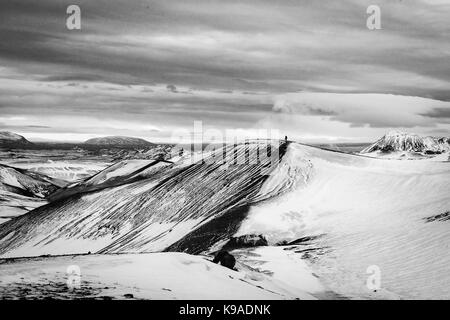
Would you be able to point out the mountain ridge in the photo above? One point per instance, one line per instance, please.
(395, 141)
(8, 138)
(118, 141)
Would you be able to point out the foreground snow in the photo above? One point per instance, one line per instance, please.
(159, 276)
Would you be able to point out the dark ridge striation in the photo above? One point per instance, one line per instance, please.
(178, 208)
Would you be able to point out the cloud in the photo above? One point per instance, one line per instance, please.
(373, 110)
(171, 88)
(229, 60)
(438, 113)
(280, 47)
(288, 105)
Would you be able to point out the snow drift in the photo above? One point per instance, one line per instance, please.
(161, 276)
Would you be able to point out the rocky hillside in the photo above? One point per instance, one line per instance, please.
(10, 139)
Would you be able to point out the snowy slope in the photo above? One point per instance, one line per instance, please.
(365, 212)
(155, 276)
(123, 170)
(161, 210)
(119, 173)
(14, 204)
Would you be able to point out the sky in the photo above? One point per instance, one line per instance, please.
(311, 70)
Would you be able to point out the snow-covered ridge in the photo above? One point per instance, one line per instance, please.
(121, 172)
(361, 212)
(147, 207)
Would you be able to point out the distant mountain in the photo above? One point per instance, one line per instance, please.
(11, 139)
(397, 141)
(118, 141)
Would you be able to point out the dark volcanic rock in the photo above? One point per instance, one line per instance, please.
(245, 241)
(440, 217)
(225, 259)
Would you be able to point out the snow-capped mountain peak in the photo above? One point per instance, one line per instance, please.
(395, 141)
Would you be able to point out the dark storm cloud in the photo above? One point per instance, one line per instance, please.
(171, 88)
(361, 110)
(306, 110)
(280, 45)
(438, 113)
